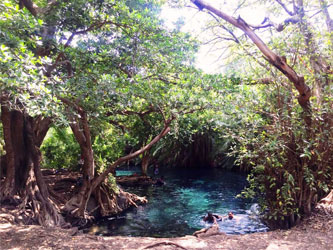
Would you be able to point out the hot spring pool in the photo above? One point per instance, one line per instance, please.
(177, 208)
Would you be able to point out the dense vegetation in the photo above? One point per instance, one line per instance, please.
(105, 83)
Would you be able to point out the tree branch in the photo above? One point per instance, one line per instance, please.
(94, 26)
(128, 157)
(117, 124)
(34, 9)
(285, 8)
(225, 28)
(279, 27)
(41, 126)
(329, 20)
(274, 59)
(31, 6)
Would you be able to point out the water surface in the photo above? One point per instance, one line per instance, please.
(177, 208)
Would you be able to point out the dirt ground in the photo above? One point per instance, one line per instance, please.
(315, 232)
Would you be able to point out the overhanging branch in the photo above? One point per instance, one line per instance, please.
(99, 179)
(274, 59)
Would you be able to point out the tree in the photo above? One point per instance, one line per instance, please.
(23, 134)
(109, 63)
(294, 168)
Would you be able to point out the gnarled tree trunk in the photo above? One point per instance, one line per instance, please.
(107, 201)
(24, 186)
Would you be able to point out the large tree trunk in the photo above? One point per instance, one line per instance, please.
(24, 186)
(16, 157)
(8, 188)
(77, 205)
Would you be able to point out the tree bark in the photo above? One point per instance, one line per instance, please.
(81, 131)
(23, 179)
(46, 212)
(8, 189)
(145, 162)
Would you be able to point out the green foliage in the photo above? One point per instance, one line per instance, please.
(21, 76)
(291, 165)
(108, 146)
(60, 150)
(111, 181)
(198, 138)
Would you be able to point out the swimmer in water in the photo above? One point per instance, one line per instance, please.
(230, 215)
(212, 218)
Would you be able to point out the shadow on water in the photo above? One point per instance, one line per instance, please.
(177, 208)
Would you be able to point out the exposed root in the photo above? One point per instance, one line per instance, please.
(164, 243)
(112, 203)
(103, 201)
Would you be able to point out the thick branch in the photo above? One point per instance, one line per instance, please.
(117, 124)
(31, 6)
(34, 9)
(272, 58)
(70, 104)
(265, 81)
(140, 114)
(278, 26)
(60, 60)
(128, 157)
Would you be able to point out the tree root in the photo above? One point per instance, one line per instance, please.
(163, 243)
(112, 203)
(103, 201)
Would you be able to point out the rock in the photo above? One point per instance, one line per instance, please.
(206, 232)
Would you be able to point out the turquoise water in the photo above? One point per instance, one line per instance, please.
(177, 208)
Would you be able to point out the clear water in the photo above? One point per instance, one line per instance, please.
(177, 208)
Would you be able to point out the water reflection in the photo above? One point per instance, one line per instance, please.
(177, 208)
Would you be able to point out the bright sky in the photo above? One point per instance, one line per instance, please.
(195, 19)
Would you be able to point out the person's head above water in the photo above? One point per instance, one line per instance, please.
(230, 215)
(209, 217)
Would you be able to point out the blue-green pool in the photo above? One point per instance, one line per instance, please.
(177, 208)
